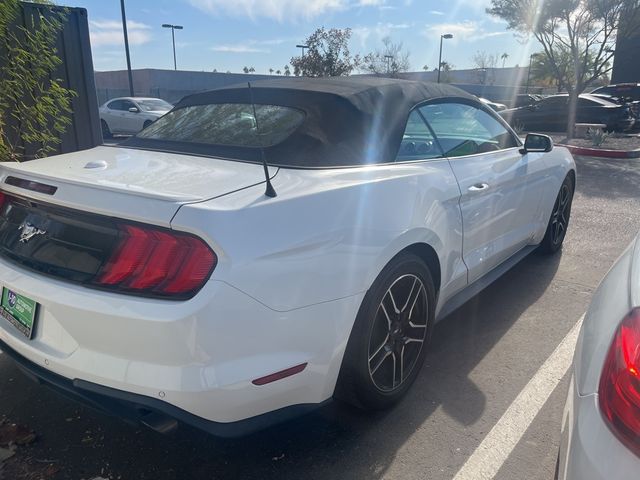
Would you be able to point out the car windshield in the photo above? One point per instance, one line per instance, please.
(152, 104)
(231, 124)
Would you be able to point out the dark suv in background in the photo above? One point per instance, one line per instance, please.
(621, 90)
(623, 93)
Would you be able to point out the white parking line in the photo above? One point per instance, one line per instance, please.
(494, 450)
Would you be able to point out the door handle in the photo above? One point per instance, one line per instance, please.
(478, 187)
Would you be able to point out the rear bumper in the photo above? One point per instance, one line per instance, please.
(198, 356)
(588, 449)
(153, 413)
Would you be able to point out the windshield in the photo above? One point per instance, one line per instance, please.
(152, 104)
(231, 124)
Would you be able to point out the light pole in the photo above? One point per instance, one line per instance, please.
(173, 39)
(529, 71)
(302, 47)
(388, 57)
(126, 47)
(442, 37)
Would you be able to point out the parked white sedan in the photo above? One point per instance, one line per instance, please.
(261, 249)
(601, 421)
(129, 115)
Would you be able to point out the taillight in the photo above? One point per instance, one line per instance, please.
(157, 262)
(619, 390)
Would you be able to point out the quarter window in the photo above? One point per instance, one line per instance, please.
(462, 129)
(417, 142)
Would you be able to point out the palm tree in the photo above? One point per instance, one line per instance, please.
(278, 72)
(504, 57)
(271, 71)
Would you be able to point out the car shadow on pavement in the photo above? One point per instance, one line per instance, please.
(335, 438)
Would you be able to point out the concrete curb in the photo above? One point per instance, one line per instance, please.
(597, 152)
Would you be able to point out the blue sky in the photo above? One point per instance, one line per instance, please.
(229, 34)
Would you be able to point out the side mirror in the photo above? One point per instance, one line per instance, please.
(534, 142)
(134, 109)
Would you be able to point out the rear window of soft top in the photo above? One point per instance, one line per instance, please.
(228, 124)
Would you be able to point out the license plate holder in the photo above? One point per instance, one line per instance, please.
(19, 310)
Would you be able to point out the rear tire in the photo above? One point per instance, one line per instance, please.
(106, 132)
(389, 339)
(559, 221)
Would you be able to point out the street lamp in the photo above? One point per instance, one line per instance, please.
(173, 38)
(126, 47)
(529, 71)
(446, 36)
(302, 47)
(388, 57)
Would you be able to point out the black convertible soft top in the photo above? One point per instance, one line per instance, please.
(348, 120)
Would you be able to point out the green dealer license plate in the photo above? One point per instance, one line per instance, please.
(19, 310)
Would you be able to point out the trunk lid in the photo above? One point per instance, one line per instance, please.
(134, 184)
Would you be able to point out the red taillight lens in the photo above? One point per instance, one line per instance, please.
(157, 262)
(619, 391)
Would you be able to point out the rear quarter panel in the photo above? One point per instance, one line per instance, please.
(329, 233)
(610, 303)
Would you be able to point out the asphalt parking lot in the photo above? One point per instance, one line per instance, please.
(481, 358)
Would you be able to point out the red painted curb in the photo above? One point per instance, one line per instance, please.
(596, 152)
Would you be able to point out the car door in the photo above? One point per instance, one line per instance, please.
(113, 116)
(132, 121)
(499, 204)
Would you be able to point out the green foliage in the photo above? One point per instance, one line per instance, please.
(597, 136)
(578, 37)
(327, 56)
(35, 108)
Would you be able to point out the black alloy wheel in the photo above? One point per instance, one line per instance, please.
(559, 221)
(398, 334)
(388, 342)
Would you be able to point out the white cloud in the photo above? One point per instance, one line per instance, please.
(436, 12)
(461, 31)
(238, 48)
(380, 30)
(109, 32)
(280, 10)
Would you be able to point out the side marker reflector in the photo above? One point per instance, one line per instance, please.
(279, 375)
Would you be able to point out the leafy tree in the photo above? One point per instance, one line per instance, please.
(35, 107)
(245, 69)
(278, 72)
(391, 60)
(577, 34)
(287, 71)
(327, 56)
(252, 70)
(271, 71)
(425, 68)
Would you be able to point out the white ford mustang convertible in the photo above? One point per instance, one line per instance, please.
(262, 249)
